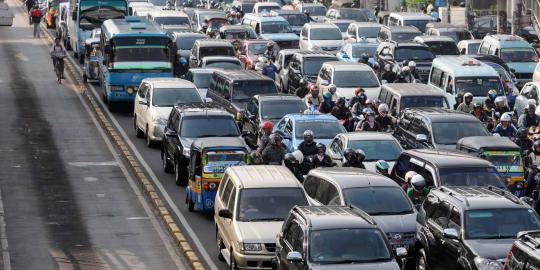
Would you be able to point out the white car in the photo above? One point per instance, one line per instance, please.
(154, 101)
(469, 46)
(347, 76)
(265, 7)
(529, 91)
(321, 37)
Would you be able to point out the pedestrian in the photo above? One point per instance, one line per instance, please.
(36, 15)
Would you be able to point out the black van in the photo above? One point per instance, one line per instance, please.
(525, 252)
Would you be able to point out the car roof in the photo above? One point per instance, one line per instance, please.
(476, 198)
(470, 41)
(220, 58)
(168, 13)
(410, 89)
(202, 70)
(306, 117)
(341, 21)
(402, 29)
(442, 115)
(242, 75)
(169, 83)
(264, 17)
(305, 53)
(367, 24)
(263, 98)
(213, 42)
(506, 40)
(412, 15)
(340, 65)
(448, 158)
(267, 4)
(443, 25)
(368, 135)
(287, 11)
(312, 5)
(189, 34)
(434, 38)
(347, 177)
(464, 66)
(263, 176)
(491, 142)
(201, 143)
(335, 217)
(314, 25)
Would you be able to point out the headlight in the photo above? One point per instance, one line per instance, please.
(487, 264)
(186, 152)
(160, 121)
(250, 247)
(116, 88)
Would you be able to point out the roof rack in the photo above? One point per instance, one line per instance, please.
(504, 193)
(363, 214)
(455, 194)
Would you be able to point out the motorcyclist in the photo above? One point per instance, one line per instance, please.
(384, 120)
(467, 105)
(332, 89)
(328, 104)
(418, 190)
(341, 112)
(529, 118)
(400, 78)
(370, 104)
(505, 128)
(408, 176)
(266, 129)
(458, 99)
(274, 152)
(369, 124)
(532, 160)
(364, 58)
(270, 53)
(321, 159)
(489, 102)
(308, 147)
(500, 106)
(352, 158)
(382, 168)
(314, 96)
(413, 70)
(406, 71)
(388, 74)
(479, 113)
(359, 96)
(525, 144)
(293, 164)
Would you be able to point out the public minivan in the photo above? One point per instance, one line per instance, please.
(518, 54)
(462, 74)
(418, 20)
(271, 27)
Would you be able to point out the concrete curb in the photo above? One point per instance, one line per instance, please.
(137, 170)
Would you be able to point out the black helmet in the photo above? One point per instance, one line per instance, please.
(360, 154)
(341, 101)
(347, 153)
(275, 139)
(531, 108)
(365, 57)
(321, 147)
(522, 133)
(289, 160)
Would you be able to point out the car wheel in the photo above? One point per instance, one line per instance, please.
(190, 204)
(232, 262)
(180, 174)
(421, 261)
(219, 244)
(85, 79)
(138, 132)
(81, 59)
(149, 142)
(166, 165)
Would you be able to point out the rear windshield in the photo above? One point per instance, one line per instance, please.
(423, 101)
(449, 133)
(420, 24)
(172, 20)
(404, 36)
(216, 51)
(295, 19)
(312, 65)
(456, 35)
(244, 90)
(478, 86)
(443, 48)
(186, 43)
(205, 126)
(412, 53)
(325, 34)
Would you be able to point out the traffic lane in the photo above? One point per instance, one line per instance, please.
(65, 195)
(202, 224)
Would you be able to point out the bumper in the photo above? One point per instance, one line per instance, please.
(120, 96)
(252, 261)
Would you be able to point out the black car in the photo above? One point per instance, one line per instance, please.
(272, 108)
(186, 123)
(398, 33)
(304, 68)
(394, 53)
(233, 89)
(436, 128)
(525, 252)
(470, 227)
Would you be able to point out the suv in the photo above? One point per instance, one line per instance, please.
(250, 206)
(321, 37)
(347, 76)
(436, 128)
(186, 123)
(304, 68)
(398, 33)
(524, 253)
(333, 237)
(209, 47)
(439, 45)
(400, 96)
(394, 53)
(470, 227)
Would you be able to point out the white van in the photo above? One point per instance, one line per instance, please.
(418, 20)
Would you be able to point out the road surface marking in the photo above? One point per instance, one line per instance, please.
(90, 163)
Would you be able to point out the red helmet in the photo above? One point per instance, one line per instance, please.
(312, 87)
(267, 125)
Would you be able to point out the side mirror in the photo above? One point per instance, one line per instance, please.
(294, 256)
(421, 137)
(239, 116)
(225, 213)
(451, 233)
(143, 102)
(170, 133)
(401, 252)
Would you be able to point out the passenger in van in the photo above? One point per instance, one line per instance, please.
(466, 106)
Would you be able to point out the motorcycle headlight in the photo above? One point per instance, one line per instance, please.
(487, 264)
(250, 247)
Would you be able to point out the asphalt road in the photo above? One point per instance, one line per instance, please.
(67, 200)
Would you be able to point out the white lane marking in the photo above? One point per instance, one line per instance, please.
(91, 179)
(153, 177)
(3, 237)
(100, 195)
(137, 218)
(91, 163)
(21, 57)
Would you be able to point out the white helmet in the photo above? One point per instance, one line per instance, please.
(531, 101)
(332, 86)
(409, 175)
(499, 99)
(383, 108)
(468, 94)
(506, 117)
(261, 59)
(405, 69)
(298, 156)
(412, 64)
(418, 182)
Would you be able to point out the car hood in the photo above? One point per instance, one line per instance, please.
(280, 37)
(522, 67)
(370, 165)
(391, 265)
(397, 223)
(348, 92)
(259, 232)
(162, 112)
(328, 43)
(323, 141)
(495, 249)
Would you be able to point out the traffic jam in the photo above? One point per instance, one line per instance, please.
(325, 135)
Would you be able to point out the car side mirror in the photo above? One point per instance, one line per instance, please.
(421, 137)
(225, 213)
(401, 252)
(143, 102)
(294, 256)
(170, 133)
(451, 233)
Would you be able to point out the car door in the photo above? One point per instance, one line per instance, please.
(171, 139)
(437, 221)
(223, 203)
(453, 247)
(141, 97)
(293, 240)
(335, 151)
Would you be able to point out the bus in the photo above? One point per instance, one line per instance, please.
(134, 48)
(85, 15)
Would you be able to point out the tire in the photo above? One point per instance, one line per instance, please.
(85, 79)
(81, 59)
(180, 172)
(232, 262)
(110, 105)
(149, 142)
(190, 204)
(138, 132)
(166, 165)
(421, 261)
(219, 245)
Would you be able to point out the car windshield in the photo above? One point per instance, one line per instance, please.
(499, 223)
(388, 150)
(268, 204)
(404, 36)
(323, 129)
(423, 102)
(93, 16)
(502, 72)
(325, 34)
(312, 65)
(201, 80)
(315, 10)
(519, 55)
(473, 48)
(357, 51)
(276, 109)
(419, 24)
(266, 9)
(276, 28)
(140, 49)
(443, 48)
(348, 246)
(342, 26)
(167, 97)
(478, 86)
(209, 126)
(368, 32)
(186, 43)
(247, 7)
(359, 15)
(224, 64)
(256, 48)
(470, 176)
(216, 51)
(171, 20)
(295, 19)
(376, 201)
(244, 90)
(412, 53)
(456, 35)
(355, 78)
(450, 132)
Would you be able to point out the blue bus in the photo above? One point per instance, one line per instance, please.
(134, 48)
(85, 15)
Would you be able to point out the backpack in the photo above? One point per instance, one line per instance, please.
(36, 12)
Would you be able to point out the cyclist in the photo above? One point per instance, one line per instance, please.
(58, 52)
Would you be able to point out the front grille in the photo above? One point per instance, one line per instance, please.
(287, 44)
(329, 48)
(523, 76)
(401, 239)
(270, 247)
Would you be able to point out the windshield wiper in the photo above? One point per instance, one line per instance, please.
(381, 213)
(267, 219)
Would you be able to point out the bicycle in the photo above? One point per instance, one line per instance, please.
(59, 68)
